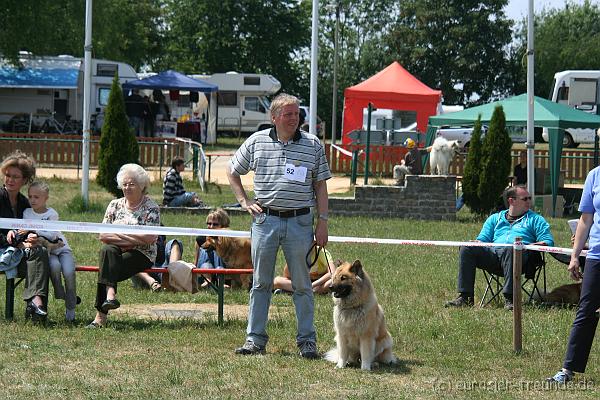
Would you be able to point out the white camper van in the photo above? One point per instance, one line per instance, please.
(577, 89)
(243, 106)
(53, 86)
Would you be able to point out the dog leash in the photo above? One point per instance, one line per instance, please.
(310, 263)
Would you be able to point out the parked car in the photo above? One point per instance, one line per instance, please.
(304, 110)
(461, 134)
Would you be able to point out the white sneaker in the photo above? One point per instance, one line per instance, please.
(70, 315)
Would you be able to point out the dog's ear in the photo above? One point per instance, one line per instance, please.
(357, 268)
(337, 263)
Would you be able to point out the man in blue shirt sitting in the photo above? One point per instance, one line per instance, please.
(501, 227)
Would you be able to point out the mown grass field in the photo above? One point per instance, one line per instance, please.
(444, 353)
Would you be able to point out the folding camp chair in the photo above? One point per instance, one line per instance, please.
(534, 270)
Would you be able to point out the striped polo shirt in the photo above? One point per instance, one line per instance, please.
(264, 154)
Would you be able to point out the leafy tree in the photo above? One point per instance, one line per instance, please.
(495, 162)
(118, 144)
(470, 181)
(263, 36)
(362, 52)
(458, 46)
(567, 38)
(123, 30)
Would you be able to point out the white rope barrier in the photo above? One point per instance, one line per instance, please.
(94, 227)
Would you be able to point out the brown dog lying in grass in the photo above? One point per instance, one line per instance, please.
(235, 252)
(563, 295)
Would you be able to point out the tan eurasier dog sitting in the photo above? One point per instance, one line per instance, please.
(235, 252)
(360, 329)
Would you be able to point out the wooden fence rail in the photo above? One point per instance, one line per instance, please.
(65, 150)
(575, 164)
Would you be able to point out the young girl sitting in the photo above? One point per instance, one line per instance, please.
(320, 273)
(60, 257)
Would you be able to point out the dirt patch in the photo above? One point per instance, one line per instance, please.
(189, 311)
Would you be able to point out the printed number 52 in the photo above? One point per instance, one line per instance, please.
(290, 171)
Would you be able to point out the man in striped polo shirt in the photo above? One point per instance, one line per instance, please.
(290, 177)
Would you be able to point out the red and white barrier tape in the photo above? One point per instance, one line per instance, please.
(93, 227)
(343, 151)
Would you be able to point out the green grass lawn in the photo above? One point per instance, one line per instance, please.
(444, 353)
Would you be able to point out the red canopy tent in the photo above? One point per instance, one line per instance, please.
(391, 88)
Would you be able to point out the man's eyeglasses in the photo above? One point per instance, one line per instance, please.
(528, 198)
(215, 224)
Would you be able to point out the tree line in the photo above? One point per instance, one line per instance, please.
(468, 49)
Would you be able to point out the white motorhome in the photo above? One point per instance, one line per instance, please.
(47, 85)
(243, 106)
(577, 89)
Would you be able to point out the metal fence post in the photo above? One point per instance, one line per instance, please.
(354, 167)
(371, 108)
(195, 160)
(10, 299)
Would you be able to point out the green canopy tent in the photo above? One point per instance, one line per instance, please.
(556, 117)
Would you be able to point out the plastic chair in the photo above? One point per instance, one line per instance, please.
(534, 269)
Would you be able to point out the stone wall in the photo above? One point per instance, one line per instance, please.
(421, 197)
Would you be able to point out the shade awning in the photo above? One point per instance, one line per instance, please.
(56, 73)
(546, 114)
(171, 80)
(391, 88)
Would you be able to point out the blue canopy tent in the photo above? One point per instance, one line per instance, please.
(173, 80)
(38, 73)
(556, 117)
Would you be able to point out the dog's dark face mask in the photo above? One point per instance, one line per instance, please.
(341, 291)
(342, 288)
(209, 245)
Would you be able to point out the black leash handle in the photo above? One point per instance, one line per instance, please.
(310, 263)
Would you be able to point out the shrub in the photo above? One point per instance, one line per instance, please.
(118, 144)
(470, 181)
(78, 205)
(495, 163)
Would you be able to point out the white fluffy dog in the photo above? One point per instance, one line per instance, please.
(442, 153)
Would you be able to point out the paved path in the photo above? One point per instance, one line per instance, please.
(337, 184)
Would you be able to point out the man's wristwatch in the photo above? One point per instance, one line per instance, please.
(323, 217)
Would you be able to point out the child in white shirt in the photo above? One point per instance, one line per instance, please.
(60, 258)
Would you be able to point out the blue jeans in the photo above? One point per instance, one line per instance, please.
(182, 200)
(137, 124)
(62, 265)
(586, 319)
(295, 237)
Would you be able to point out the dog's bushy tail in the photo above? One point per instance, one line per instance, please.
(332, 355)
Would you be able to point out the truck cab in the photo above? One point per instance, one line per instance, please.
(577, 89)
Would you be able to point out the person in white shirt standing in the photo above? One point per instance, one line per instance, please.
(62, 263)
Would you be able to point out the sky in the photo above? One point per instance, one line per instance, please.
(517, 9)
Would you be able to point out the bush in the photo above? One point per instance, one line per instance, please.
(495, 163)
(78, 205)
(470, 181)
(118, 144)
